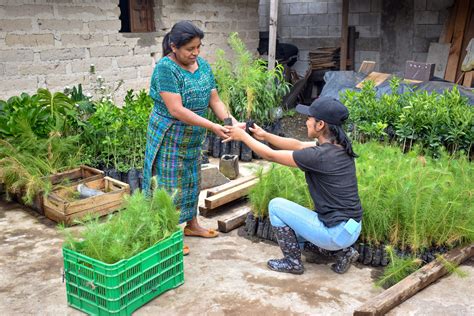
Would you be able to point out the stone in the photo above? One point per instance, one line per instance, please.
(211, 176)
(229, 166)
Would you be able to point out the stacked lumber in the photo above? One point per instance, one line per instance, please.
(227, 193)
(325, 58)
(457, 32)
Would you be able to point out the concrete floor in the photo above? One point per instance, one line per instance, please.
(223, 276)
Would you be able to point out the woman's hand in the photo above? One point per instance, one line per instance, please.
(235, 133)
(240, 125)
(220, 131)
(258, 132)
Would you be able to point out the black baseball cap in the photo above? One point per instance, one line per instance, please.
(326, 109)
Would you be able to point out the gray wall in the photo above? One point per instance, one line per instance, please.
(390, 31)
(52, 44)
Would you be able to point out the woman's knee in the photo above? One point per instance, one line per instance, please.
(273, 209)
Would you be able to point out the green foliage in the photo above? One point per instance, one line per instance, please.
(141, 223)
(116, 136)
(397, 269)
(279, 181)
(414, 201)
(409, 201)
(246, 86)
(451, 267)
(430, 120)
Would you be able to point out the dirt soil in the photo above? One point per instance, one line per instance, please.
(294, 126)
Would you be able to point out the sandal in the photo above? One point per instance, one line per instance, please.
(210, 233)
(185, 250)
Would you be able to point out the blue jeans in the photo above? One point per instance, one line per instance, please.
(308, 227)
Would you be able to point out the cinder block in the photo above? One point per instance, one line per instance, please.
(353, 19)
(84, 12)
(62, 25)
(27, 10)
(318, 8)
(14, 55)
(23, 84)
(109, 26)
(2, 69)
(63, 54)
(438, 5)
(376, 6)
(318, 31)
(298, 8)
(319, 19)
(84, 65)
(420, 57)
(420, 45)
(420, 4)
(334, 19)
(426, 17)
(334, 30)
(334, 7)
(359, 6)
(29, 40)
(299, 31)
(134, 61)
(17, 25)
(58, 82)
(109, 51)
(41, 69)
(86, 40)
(369, 19)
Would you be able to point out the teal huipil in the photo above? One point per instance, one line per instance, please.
(173, 148)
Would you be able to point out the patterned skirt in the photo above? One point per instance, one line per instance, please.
(173, 154)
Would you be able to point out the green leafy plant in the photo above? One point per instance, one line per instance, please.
(428, 119)
(246, 85)
(141, 223)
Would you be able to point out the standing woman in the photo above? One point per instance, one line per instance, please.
(183, 88)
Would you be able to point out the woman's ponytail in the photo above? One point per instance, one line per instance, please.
(166, 44)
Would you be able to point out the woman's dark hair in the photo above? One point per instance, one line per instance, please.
(336, 134)
(181, 33)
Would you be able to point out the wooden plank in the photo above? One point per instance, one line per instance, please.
(230, 185)
(376, 77)
(455, 50)
(448, 28)
(413, 283)
(367, 67)
(229, 195)
(234, 221)
(272, 36)
(468, 79)
(438, 54)
(344, 34)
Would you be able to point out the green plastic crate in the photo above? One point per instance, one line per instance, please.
(98, 288)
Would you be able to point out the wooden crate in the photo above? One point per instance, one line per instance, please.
(60, 208)
(67, 178)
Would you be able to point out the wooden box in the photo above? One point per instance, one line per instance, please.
(67, 178)
(60, 207)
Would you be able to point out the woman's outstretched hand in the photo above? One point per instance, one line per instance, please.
(257, 132)
(234, 133)
(221, 131)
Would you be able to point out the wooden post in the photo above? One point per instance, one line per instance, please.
(273, 27)
(455, 51)
(413, 283)
(344, 34)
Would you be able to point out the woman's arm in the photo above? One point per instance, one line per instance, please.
(174, 104)
(278, 141)
(284, 157)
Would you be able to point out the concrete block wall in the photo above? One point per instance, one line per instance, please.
(317, 23)
(53, 44)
